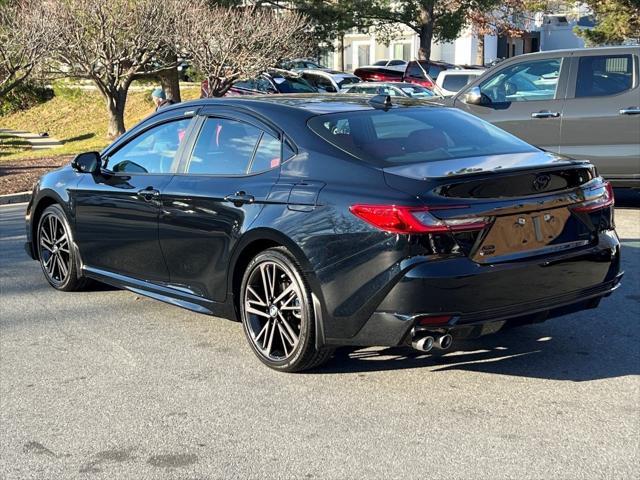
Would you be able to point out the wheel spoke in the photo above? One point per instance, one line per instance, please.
(62, 239)
(63, 268)
(290, 333)
(284, 342)
(43, 243)
(259, 301)
(284, 293)
(265, 283)
(263, 331)
(273, 329)
(48, 265)
(255, 311)
(52, 228)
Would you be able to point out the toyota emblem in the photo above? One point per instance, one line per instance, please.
(541, 182)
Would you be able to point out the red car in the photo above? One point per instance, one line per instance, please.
(422, 73)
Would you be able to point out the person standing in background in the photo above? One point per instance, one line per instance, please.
(160, 99)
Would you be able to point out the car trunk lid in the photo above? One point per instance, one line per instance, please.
(526, 204)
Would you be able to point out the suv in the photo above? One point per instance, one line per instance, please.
(422, 73)
(580, 103)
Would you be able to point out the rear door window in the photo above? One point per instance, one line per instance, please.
(223, 147)
(455, 83)
(603, 75)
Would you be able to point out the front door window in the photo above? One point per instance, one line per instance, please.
(524, 81)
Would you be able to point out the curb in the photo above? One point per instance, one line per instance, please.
(15, 198)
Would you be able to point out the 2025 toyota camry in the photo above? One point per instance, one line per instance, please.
(328, 220)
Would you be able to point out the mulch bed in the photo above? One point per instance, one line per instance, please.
(20, 175)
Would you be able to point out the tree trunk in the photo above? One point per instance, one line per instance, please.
(480, 50)
(169, 80)
(116, 101)
(426, 31)
(341, 48)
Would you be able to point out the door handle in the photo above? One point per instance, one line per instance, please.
(149, 193)
(545, 114)
(630, 111)
(240, 198)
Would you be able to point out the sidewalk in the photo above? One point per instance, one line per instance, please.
(37, 142)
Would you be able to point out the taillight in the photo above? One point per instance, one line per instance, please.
(400, 219)
(597, 198)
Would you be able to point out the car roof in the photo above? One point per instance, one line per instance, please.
(464, 71)
(305, 104)
(580, 51)
(328, 72)
(384, 84)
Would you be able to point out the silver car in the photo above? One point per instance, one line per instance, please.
(580, 103)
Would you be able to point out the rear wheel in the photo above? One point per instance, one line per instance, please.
(56, 252)
(277, 313)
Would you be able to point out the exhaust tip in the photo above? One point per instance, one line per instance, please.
(444, 342)
(424, 344)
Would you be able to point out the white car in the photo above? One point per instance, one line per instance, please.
(452, 81)
(329, 81)
(400, 65)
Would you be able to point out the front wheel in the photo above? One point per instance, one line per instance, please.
(277, 313)
(56, 251)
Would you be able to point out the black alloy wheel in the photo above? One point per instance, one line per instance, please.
(277, 313)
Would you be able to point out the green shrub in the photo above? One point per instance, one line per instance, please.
(23, 97)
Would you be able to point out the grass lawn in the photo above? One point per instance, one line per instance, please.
(11, 146)
(78, 119)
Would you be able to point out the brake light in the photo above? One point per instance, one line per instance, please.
(602, 199)
(400, 219)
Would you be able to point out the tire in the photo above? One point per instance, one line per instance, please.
(56, 251)
(277, 313)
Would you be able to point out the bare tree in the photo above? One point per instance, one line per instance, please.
(111, 42)
(227, 44)
(24, 41)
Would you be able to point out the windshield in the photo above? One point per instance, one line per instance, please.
(293, 85)
(417, 91)
(342, 82)
(403, 136)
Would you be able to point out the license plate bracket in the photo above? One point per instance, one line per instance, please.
(520, 233)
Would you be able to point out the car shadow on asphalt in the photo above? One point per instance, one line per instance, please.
(531, 351)
(627, 197)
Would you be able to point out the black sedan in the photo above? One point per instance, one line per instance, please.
(328, 220)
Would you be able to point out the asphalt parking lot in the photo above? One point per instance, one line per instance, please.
(107, 384)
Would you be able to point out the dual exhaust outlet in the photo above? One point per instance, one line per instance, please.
(428, 342)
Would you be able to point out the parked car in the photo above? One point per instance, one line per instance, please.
(582, 103)
(422, 73)
(298, 64)
(378, 74)
(327, 220)
(329, 81)
(452, 81)
(397, 89)
(425, 73)
(273, 81)
(395, 64)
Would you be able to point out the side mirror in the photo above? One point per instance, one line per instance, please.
(88, 162)
(473, 96)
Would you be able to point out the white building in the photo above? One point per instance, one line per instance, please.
(542, 32)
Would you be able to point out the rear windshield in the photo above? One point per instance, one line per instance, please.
(293, 85)
(402, 136)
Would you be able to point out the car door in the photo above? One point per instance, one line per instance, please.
(601, 117)
(117, 210)
(219, 190)
(525, 98)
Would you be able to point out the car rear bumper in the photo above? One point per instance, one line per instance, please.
(480, 299)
